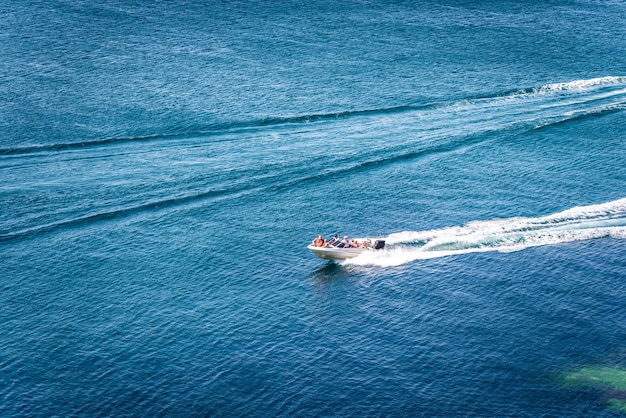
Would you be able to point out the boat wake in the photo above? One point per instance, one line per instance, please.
(537, 106)
(504, 235)
(203, 164)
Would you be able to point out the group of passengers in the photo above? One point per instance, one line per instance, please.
(336, 242)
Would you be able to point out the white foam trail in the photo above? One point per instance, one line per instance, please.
(535, 107)
(582, 84)
(504, 235)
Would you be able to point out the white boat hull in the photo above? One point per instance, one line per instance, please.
(332, 253)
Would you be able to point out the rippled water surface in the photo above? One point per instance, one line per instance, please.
(163, 167)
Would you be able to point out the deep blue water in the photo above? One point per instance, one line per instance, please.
(163, 166)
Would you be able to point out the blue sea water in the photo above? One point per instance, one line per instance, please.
(163, 166)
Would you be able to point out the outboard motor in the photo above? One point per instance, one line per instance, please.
(379, 244)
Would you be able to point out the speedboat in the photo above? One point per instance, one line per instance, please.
(337, 253)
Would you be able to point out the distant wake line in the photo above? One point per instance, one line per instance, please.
(555, 101)
(504, 235)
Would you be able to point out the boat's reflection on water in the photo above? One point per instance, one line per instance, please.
(330, 272)
(340, 276)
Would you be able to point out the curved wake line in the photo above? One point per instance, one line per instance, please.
(373, 160)
(78, 145)
(120, 213)
(605, 87)
(214, 129)
(503, 235)
(594, 113)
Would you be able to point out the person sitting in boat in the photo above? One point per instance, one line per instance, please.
(318, 242)
(345, 243)
(354, 244)
(333, 241)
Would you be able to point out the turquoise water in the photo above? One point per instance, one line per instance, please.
(164, 165)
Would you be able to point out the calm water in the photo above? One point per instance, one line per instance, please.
(163, 166)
